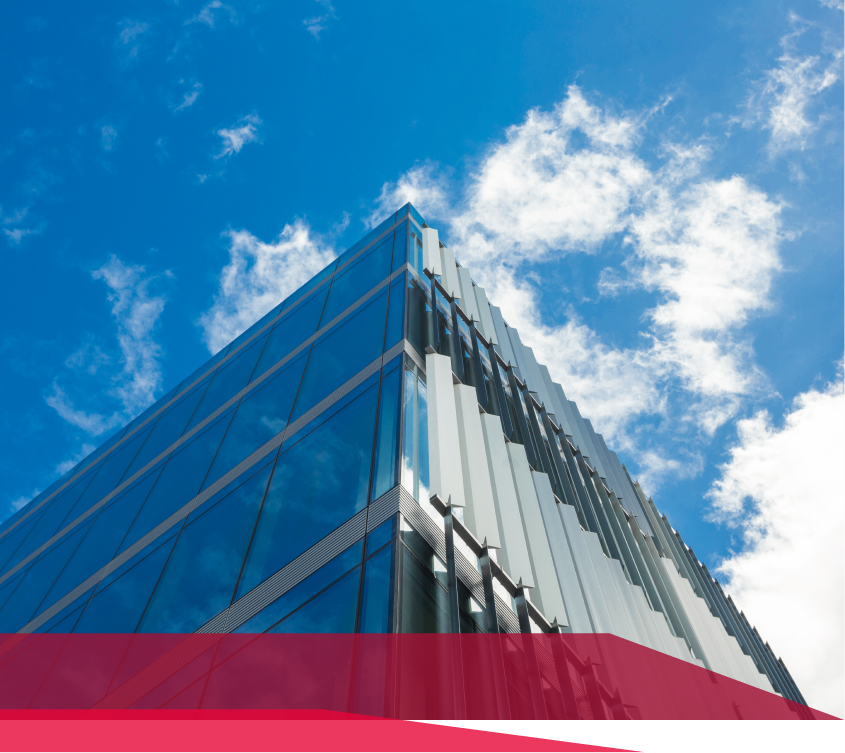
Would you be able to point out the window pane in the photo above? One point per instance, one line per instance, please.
(22, 603)
(395, 314)
(168, 429)
(424, 601)
(66, 618)
(230, 379)
(387, 446)
(333, 611)
(210, 363)
(380, 536)
(400, 247)
(179, 482)
(312, 284)
(100, 543)
(375, 605)
(300, 593)
(416, 215)
(341, 354)
(201, 574)
(118, 607)
(10, 543)
(262, 415)
(318, 484)
(351, 283)
(294, 329)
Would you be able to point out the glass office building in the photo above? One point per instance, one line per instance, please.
(379, 454)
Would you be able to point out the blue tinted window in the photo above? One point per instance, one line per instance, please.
(319, 482)
(168, 429)
(22, 603)
(246, 334)
(342, 353)
(67, 624)
(203, 569)
(10, 543)
(362, 276)
(375, 602)
(300, 593)
(209, 364)
(416, 215)
(377, 538)
(230, 379)
(387, 444)
(66, 618)
(117, 607)
(180, 481)
(312, 284)
(100, 543)
(395, 315)
(294, 329)
(333, 611)
(365, 241)
(261, 415)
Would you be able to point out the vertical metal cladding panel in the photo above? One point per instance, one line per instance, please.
(488, 329)
(634, 502)
(590, 585)
(519, 355)
(588, 449)
(652, 622)
(504, 344)
(556, 407)
(564, 558)
(641, 634)
(468, 303)
(444, 447)
(450, 273)
(514, 554)
(539, 550)
(577, 440)
(598, 442)
(536, 378)
(431, 251)
(612, 599)
(480, 513)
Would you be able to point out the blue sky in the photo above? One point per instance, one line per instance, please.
(651, 192)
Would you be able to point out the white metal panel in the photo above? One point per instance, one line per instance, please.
(562, 554)
(520, 362)
(590, 585)
(539, 549)
(537, 379)
(615, 608)
(468, 303)
(445, 472)
(555, 407)
(449, 273)
(514, 552)
(486, 325)
(502, 335)
(480, 512)
(431, 250)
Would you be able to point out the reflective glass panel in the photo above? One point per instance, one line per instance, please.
(202, 571)
(362, 276)
(261, 415)
(180, 481)
(375, 602)
(342, 353)
(117, 607)
(229, 379)
(380, 536)
(395, 314)
(332, 611)
(294, 329)
(303, 591)
(400, 247)
(319, 482)
(424, 602)
(387, 444)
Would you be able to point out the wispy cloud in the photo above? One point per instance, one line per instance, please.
(425, 186)
(20, 225)
(129, 37)
(259, 276)
(108, 137)
(189, 97)
(786, 101)
(212, 14)
(782, 488)
(234, 138)
(125, 381)
(318, 24)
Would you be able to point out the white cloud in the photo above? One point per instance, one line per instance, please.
(782, 487)
(318, 24)
(573, 180)
(212, 13)
(13, 230)
(108, 137)
(91, 370)
(785, 101)
(84, 451)
(189, 97)
(130, 35)
(835, 4)
(424, 185)
(244, 132)
(259, 276)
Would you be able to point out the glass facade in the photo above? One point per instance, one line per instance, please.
(290, 485)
